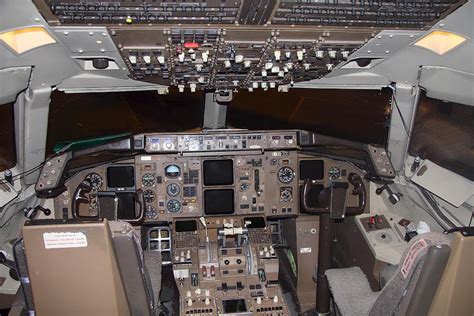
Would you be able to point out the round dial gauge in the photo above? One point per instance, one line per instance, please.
(151, 212)
(172, 171)
(286, 195)
(148, 179)
(148, 196)
(173, 206)
(334, 173)
(286, 174)
(173, 189)
(244, 186)
(95, 180)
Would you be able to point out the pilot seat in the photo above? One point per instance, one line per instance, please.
(75, 267)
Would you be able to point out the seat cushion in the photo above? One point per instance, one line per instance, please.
(351, 291)
(153, 267)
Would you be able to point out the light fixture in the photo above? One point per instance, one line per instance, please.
(25, 39)
(440, 42)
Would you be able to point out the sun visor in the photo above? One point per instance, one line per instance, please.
(446, 184)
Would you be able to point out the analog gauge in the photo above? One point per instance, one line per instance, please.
(173, 206)
(148, 180)
(148, 196)
(286, 174)
(95, 180)
(244, 186)
(286, 194)
(334, 173)
(173, 189)
(151, 212)
(172, 171)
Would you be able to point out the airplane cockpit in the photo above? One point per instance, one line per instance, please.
(236, 157)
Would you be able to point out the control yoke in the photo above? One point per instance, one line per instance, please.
(333, 198)
(85, 187)
(333, 206)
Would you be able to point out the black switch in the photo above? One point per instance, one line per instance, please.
(224, 287)
(239, 286)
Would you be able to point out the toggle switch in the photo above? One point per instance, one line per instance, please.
(205, 56)
(299, 55)
(277, 55)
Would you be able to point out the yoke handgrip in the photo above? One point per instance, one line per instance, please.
(80, 197)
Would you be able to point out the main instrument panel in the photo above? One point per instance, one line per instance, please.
(200, 174)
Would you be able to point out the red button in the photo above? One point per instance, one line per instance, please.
(189, 45)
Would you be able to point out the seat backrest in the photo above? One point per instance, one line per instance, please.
(410, 291)
(132, 268)
(73, 269)
(454, 295)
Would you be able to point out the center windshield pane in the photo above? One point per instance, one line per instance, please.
(357, 115)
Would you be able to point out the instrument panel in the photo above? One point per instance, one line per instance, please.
(159, 186)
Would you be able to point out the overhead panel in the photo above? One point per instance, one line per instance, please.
(240, 44)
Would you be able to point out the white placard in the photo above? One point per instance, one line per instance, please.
(59, 240)
(305, 250)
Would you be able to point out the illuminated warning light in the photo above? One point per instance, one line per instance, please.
(189, 45)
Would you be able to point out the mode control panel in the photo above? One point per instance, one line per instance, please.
(155, 143)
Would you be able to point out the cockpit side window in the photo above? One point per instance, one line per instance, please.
(89, 115)
(357, 115)
(7, 137)
(444, 133)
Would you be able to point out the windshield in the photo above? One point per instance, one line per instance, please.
(7, 137)
(443, 133)
(88, 115)
(357, 115)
